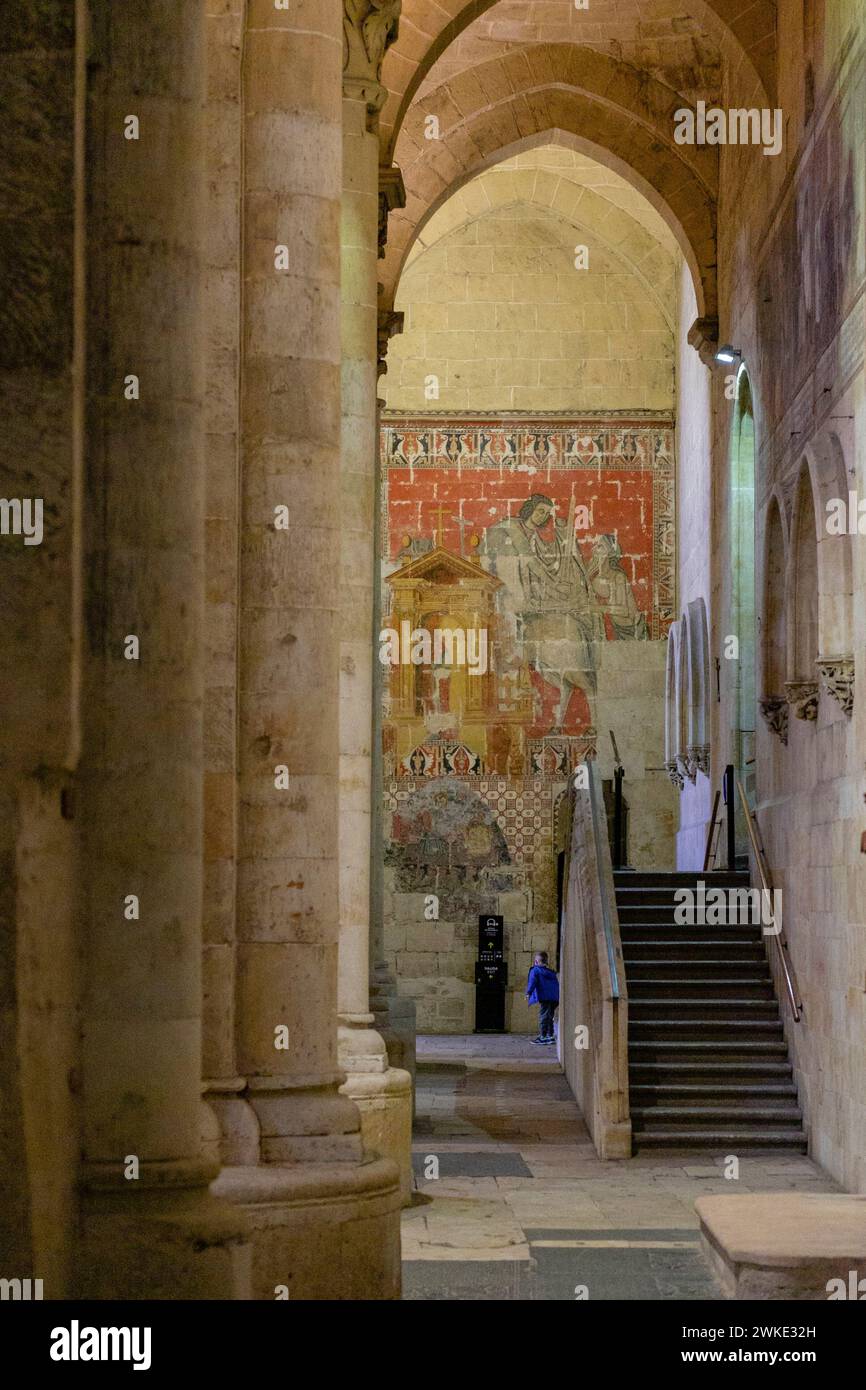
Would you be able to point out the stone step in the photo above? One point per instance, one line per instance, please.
(691, 950)
(686, 987)
(708, 1062)
(744, 1113)
(732, 1030)
(672, 1053)
(636, 926)
(729, 1137)
(667, 1091)
(711, 1074)
(662, 878)
(720, 1009)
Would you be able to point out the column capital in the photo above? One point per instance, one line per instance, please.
(392, 194)
(369, 28)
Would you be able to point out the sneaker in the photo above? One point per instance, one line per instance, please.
(540, 1042)
(549, 1042)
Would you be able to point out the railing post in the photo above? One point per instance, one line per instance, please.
(729, 803)
(618, 774)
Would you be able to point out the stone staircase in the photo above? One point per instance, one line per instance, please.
(708, 1063)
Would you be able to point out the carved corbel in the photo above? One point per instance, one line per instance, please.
(675, 775)
(774, 709)
(698, 760)
(389, 322)
(684, 769)
(803, 698)
(392, 194)
(703, 336)
(837, 674)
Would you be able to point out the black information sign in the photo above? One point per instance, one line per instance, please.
(491, 975)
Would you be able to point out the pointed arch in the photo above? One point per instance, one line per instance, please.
(591, 102)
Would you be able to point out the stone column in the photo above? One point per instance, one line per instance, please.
(41, 408)
(325, 1213)
(394, 1016)
(234, 1129)
(382, 1093)
(148, 1227)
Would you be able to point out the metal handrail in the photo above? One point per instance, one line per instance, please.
(598, 831)
(708, 847)
(766, 884)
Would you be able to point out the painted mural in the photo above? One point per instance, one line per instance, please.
(803, 310)
(553, 538)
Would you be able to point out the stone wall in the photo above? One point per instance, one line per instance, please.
(545, 283)
(791, 269)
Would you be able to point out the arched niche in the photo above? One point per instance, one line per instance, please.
(687, 747)
(683, 702)
(673, 714)
(774, 642)
(697, 648)
(801, 686)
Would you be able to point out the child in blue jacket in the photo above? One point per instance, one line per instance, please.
(542, 988)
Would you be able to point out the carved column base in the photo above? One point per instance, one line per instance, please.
(837, 674)
(803, 698)
(774, 709)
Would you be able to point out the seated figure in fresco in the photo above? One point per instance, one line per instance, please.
(558, 616)
(613, 590)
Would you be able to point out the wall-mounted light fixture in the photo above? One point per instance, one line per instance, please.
(728, 354)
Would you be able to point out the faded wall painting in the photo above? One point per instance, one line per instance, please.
(553, 539)
(813, 263)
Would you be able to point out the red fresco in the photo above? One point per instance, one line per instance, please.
(620, 503)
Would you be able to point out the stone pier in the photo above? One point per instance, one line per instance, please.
(148, 1227)
(324, 1210)
(383, 1093)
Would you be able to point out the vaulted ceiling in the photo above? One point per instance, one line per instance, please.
(500, 76)
(674, 39)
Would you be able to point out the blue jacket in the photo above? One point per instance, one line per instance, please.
(542, 987)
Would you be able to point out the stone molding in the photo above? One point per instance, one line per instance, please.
(837, 674)
(774, 709)
(803, 699)
(664, 419)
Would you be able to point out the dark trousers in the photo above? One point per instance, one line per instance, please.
(546, 1010)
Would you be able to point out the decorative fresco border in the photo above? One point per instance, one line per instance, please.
(529, 444)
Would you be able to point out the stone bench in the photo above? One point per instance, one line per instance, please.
(786, 1245)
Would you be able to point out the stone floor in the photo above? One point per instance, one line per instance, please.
(523, 1209)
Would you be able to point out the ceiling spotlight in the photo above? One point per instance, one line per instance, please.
(728, 353)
